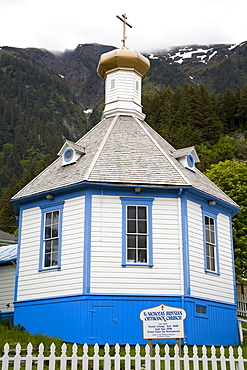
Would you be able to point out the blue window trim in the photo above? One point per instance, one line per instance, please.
(68, 151)
(48, 208)
(126, 201)
(202, 315)
(210, 213)
(190, 158)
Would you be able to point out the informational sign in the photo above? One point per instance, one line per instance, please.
(163, 322)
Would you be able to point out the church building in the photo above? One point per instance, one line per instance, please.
(122, 222)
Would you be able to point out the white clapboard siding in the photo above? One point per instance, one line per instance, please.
(107, 273)
(34, 284)
(208, 285)
(7, 283)
(125, 86)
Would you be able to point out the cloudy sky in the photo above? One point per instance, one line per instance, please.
(63, 24)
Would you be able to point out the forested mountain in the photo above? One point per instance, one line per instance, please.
(193, 95)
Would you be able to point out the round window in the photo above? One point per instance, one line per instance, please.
(68, 155)
(190, 160)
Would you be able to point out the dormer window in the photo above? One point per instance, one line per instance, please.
(70, 152)
(187, 157)
(68, 155)
(190, 161)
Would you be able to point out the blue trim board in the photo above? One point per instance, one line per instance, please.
(114, 189)
(115, 319)
(185, 242)
(87, 242)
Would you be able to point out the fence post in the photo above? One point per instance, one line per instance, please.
(157, 357)
(63, 358)
(29, 357)
(240, 359)
(117, 357)
(127, 357)
(107, 358)
(195, 358)
(96, 357)
(52, 359)
(137, 357)
(41, 357)
(85, 357)
(5, 361)
(167, 357)
(74, 357)
(17, 359)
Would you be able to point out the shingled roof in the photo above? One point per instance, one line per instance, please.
(122, 150)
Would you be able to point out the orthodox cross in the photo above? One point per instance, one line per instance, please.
(123, 19)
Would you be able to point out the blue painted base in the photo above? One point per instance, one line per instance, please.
(115, 319)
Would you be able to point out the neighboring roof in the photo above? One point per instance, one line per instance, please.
(7, 238)
(8, 253)
(123, 150)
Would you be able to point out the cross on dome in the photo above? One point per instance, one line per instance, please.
(123, 19)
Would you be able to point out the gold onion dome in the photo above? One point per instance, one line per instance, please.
(125, 59)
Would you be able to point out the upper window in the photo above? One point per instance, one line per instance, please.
(137, 231)
(211, 251)
(50, 248)
(137, 234)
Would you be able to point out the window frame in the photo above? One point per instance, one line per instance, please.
(213, 216)
(200, 314)
(44, 210)
(137, 201)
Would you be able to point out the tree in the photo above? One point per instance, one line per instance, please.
(231, 177)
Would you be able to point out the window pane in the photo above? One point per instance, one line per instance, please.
(131, 212)
(142, 242)
(131, 226)
(142, 255)
(47, 246)
(48, 218)
(54, 259)
(55, 231)
(131, 255)
(55, 245)
(47, 232)
(131, 241)
(47, 260)
(142, 227)
(55, 217)
(142, 212)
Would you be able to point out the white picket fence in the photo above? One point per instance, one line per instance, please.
(124, 358)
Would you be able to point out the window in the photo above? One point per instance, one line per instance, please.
(210, 239)
(50, 244)
(137, 234)
(137, 231)
(201, 311)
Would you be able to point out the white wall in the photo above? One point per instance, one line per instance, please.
(38, 284)
(107, 273)
(208, 285)
(7, 283)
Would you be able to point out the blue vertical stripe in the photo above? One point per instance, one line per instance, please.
(185, 243)
(87, 242)
(18, 257)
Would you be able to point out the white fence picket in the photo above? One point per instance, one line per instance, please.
(208, 359)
